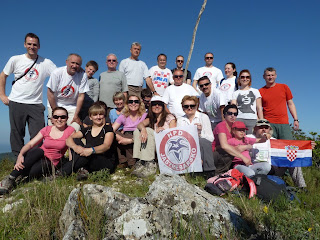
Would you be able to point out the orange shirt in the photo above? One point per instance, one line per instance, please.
(274, 103)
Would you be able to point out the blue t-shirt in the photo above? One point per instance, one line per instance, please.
(113, 116)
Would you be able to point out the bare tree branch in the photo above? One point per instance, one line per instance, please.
(193, 38)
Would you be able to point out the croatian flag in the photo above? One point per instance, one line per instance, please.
(291, 153)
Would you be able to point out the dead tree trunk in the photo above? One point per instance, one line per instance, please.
(193, 38)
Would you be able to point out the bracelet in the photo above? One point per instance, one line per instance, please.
(93, 150)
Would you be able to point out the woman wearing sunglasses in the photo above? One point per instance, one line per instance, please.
(36, 162)
(248, 100)
(144, 149)
(133, 113)
(224, 153)
(193, 117)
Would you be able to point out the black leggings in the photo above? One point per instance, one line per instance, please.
(92, 163)
(35, 165)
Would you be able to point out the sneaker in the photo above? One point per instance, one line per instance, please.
(7, 184)
(83, 174)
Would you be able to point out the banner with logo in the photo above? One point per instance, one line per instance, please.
(291, 153)
(178, 150)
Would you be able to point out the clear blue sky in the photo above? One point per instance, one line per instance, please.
(252, 34)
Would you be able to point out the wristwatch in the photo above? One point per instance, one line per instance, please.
(154, 91)
(296, 120)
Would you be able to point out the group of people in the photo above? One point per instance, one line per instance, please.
(111, 122)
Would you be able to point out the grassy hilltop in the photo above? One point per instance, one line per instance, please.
(37, 216)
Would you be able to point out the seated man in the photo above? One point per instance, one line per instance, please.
(261, 153)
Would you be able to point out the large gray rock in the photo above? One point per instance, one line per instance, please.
(176, 193)
(151, 217)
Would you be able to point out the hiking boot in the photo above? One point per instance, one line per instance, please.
(83, 174)
(149, 168)
(138, 167)
(7, 184)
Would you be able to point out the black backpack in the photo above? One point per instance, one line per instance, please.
(270, 187)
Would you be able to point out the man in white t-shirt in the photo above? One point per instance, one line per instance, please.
(160, 76)
(213, 73)
(175, 93)
(212, 101)
(134, 69)
(25, 100)
(66, 88)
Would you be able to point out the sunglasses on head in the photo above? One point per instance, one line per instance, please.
(134, 101)
(209, 57)
(205, 84)
(177, 76)
(111, 60)
(245, 77)
(61, 116)
(263, 121)
(192, 106)
(232, 113)
(157, 104)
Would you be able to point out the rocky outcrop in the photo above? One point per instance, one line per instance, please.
(169, 198)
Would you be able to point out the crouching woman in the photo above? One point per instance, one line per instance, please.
(98, 152)
(144, 149)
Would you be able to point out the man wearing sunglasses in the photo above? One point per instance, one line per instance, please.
(25, 100)
(175, 93)
(260, 152)
(66, 88)
(160, 76)
(212, 101)
(179, 63)
(135, 70)
(112, 81)
(213, 73)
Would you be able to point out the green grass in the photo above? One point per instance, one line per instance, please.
(37, 217)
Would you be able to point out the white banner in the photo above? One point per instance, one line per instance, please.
(178, 150)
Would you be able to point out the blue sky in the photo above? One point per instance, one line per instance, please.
(252, 34)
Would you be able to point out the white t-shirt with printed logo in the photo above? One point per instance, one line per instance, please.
(228, 87)
(66, 88)
(214, 74)
(211, 105)
(160, 78)
(28, 89)
(247, 102)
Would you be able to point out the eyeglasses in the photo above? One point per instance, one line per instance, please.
(177, 76)
(192, 106)
(263, 127)
(160, 104)
(181, 61)
(245, 77)
(232, 113)
(111, 60)
(134, 101)
(205, 84)
(209, 57)
(62, 116)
